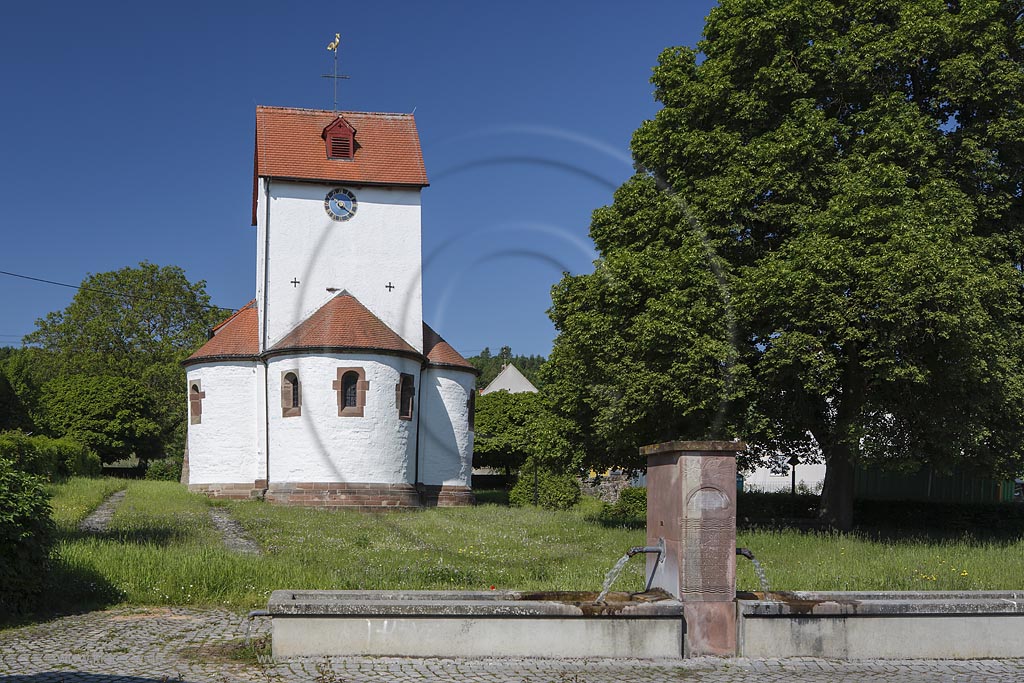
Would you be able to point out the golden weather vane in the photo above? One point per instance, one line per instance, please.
(333, 47)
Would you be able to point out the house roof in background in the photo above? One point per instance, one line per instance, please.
(510, 380)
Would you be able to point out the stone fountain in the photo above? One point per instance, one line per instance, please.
(690, 606)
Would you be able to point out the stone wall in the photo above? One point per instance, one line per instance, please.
(606, 487)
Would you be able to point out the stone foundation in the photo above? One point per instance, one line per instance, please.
(231, 491)
(446, 496)
(344, 495)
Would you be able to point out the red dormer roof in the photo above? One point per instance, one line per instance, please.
(236, 337)
(344, 324)
(339, 139)
(439, 352)
(290, 144)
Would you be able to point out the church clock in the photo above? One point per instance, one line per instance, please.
(340, 204)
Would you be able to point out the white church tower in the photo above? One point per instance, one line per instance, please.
(328, 389)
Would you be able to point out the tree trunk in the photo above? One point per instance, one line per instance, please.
(842, 447)
(836, 507)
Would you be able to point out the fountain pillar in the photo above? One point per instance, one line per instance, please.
(691, 503)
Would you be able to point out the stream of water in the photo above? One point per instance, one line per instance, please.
(613, 574)
(761, 575)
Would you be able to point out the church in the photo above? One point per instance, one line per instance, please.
(328, 388)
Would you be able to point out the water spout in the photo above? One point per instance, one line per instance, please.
(614, 572)
(758, 569)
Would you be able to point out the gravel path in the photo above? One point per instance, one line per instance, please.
(99, 520)
(152, 645)
(232, 532)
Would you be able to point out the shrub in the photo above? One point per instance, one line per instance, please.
(50, 458)
(26, 536)
(165, 469)
(630, 510)
(554, 490)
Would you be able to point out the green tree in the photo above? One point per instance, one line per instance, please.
(110, 415)
(504, 434)
(12, 412)
(823, 242)
(22, 374)
(137, 324)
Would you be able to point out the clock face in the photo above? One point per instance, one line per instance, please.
(340, 204)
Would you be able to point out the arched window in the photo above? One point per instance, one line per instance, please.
(405, 392)
(348, 389)
(351, 387)
(195, 402)
(291, 400)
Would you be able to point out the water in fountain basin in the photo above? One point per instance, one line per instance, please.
(613, 574)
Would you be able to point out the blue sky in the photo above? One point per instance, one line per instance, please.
(127, 128)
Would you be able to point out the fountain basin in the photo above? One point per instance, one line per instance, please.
(475, 624)
(881, 625)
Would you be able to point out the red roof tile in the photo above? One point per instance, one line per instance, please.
(440, 352)
(236, 337)
(290, 144)
(343, 322)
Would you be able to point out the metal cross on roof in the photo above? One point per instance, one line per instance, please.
(333, 47)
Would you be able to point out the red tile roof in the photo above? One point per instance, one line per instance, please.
(440, 352)
(236, 337)
(290, 144)
(343, 322)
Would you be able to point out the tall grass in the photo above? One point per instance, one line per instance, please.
(797, 560)
(75, 498)
(162, 548)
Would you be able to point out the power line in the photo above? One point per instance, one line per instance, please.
(106, 291)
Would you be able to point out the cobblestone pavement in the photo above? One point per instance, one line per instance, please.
(231, 531)
(154, 645)
(98, 521)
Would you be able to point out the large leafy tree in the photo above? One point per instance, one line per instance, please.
(136, 324)
(503, 434)
(849, 175)
(111, 415)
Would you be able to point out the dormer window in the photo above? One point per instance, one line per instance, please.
(340, 139)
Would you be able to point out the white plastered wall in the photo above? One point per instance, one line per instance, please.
(446, 444)
(321, 446)
(223, 448)
(380, 245)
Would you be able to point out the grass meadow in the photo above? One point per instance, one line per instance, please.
(162, 549)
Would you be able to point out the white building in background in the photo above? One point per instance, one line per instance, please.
(328, 388)
(810, 476)
(510, 380)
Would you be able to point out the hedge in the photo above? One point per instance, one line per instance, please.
(554, 491)
(53, 459)
(165, 469)
(26, 538)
